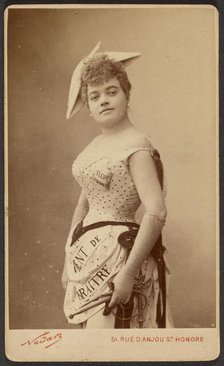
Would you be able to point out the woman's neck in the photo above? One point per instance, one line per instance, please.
(117, 128)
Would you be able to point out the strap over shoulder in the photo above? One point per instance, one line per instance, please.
(147, 146)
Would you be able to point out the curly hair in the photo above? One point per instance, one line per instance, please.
(100, 69)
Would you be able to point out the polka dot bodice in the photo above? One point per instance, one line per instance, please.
(96, 256)
(108, 184)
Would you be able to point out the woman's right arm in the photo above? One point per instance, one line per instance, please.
(80, 212)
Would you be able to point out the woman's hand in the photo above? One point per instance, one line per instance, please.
(123, 286)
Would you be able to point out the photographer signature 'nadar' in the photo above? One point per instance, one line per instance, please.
(46, 339)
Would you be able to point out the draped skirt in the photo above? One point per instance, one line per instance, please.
(92, 262)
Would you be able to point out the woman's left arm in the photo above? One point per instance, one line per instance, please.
(144, 175)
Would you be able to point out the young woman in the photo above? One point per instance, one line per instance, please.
(114, 273)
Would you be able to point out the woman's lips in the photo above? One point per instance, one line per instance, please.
(106, 110)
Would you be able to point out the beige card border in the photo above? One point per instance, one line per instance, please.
(110, 345)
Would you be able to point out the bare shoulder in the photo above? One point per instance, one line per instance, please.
(136, 137)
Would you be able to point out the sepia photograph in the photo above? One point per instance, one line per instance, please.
(111, 183)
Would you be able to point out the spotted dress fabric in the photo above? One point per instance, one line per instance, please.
(95, 258)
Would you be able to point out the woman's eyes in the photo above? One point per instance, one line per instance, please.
(112, 92)
(95, 97)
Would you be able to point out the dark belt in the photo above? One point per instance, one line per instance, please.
(80, 229)
(127, 240)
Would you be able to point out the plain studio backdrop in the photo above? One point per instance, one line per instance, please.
(173, 100)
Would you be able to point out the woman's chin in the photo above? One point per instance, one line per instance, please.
(108, 123)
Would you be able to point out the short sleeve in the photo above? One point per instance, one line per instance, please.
(145, 145)
(131, 150)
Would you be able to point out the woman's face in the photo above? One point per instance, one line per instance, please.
(107, 102)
